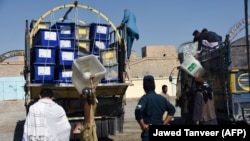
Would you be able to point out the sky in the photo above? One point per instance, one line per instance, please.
(160, 22)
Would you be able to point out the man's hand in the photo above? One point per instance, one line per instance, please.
(145, 127)
(167, 120)
(196, 123)
(196, 56)
(92, 76)
(78, 128)
(120, 26)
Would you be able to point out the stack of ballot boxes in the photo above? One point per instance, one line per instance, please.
(109, 60)
(43, 54)
(66, 52)
(99, 37)
(82, 40)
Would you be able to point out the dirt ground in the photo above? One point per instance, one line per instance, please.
(12, 116)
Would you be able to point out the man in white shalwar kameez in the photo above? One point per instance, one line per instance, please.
(46, 120)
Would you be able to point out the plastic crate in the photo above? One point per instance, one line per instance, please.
(41, 25)
(111, 74)
(42, 54)
(82, 32)
(66, 43)
(116, 80)
(66, 56)
(43, 73)
(97, 45)
(108, 57)
(64, 75)
(46, 37)
(65, 29)
(99, 31)
(83, 46)
(82, 68)
(63, 83)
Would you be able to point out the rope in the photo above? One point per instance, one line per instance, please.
(48, 53)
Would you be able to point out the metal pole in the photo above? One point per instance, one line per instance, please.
(247, 41)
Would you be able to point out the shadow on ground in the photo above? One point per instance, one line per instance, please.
(19, 131)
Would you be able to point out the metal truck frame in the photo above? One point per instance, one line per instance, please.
(227, 73)
(111, 97)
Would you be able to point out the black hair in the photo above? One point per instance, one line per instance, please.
(148, 83)
(204, 30)
(163, 87)
(87, 91)
(46, 92)
(195, 32)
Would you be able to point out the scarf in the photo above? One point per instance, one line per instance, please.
(36, 128)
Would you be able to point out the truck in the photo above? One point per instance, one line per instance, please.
(51, 46)
(227, 72)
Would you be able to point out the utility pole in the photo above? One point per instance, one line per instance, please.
(247, 41)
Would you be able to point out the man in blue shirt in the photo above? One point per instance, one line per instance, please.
(151, 107)
(131, 30)
(129, 19)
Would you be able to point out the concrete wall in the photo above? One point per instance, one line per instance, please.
(11, 68)
(12, 79)
(12, 88)
(137, 91)
(156, 60)
(160, 67)
(159, 51)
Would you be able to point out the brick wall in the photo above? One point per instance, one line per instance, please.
(11, 68)
(158, 51)
(156, 60)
